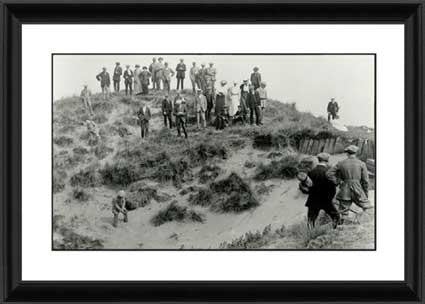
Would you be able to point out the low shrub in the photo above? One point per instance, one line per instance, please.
(102, 150)
(63, 141)
(120, 173)
(174, 212)
(100, 118)
(80, 150)
(88, 177)
(80, 195)
(209, 173)
(250, 240)
(58, 181)
(286, 168)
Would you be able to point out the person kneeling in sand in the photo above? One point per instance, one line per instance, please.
(118, 206)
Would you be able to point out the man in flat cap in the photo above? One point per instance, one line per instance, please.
(321, 192)
(117, 77)
(153, 67)
(159, 73)
(167, 73)
(145, 76)
(333, 109)
(256, 78)
(194, 77)
(352, 177)
(202, 77)
(181, 73)
(105, 81)
(128, 80)
(210, 75)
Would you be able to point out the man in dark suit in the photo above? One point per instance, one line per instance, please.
(105, 82)
(117, 77)
(321, 193)
(167, 110)
(181, 73)
(333, 109)
(256, 78)
(144, 115)
(128, 80)
(253, 102)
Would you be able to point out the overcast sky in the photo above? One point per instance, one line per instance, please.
(308, 80)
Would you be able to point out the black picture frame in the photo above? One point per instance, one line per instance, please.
(15, 13)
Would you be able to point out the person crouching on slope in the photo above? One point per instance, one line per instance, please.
(118, 206)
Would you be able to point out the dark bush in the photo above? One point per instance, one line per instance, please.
(88, 177)
(174, 212)
(286, 168)
(209, 173)
(80, 195)
(63, 141)
(120, 173)
(80, 150)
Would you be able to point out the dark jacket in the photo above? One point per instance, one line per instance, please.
(323, 190)
(128, 76)
(104, 78)
(144, 116)
(117, 73)
(166, 106)
(181, 69)
(144, 77)
(253, 100)
(256, 79)
(180, 110)
(333, 107)
(220, 103)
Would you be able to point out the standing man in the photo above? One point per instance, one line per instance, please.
(181, 73)
(321, 193)
(201, 108)
(118, 206)
(194, 77)
(167, 73)
(210, 75)
(180, 112)
(105, 82)
(220, 104)
(137, 83)
(159, 73)
(117, 77)
(253, 103)
(167, 110)
(128, 80)
(144, 115)
(202, 77)
(333, 109)
(262, 92)
(352, 177)
(152, 69)
(210, 95)
(256, 78)
(85, 98)
(145, 76)
(244, 96)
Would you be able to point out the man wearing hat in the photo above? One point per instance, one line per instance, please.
(167, 110)
(256, 78)
(137, 83)
(253, 103)
(144, 115)
(210, 75)
(180, 111)
(117, 77)
(333, 109)
(181, 73)
(321, 192)
(145, 76)
(105, 81)
(128, 80)
(119, 206)
(159, 73)
(201, 108)
(194, 77)
(153, 67)
(167, 73)
(352, 177)
(202, 77)
(85, 98)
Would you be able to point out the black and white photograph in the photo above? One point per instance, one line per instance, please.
(213, 151)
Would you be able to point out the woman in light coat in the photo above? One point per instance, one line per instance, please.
(234, 94)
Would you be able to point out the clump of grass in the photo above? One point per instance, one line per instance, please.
(141, 194)
(80, 195)
(209, 173)
(102, 150)
(250, 240)
(80, 150)
(63, 141)
(231, 194)
(88, 177)
(120, 173)
(286, 168)
(249, 164)
(73, 241)
(100, 118)
(174, 212)
(262, 189)
(58, 181)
